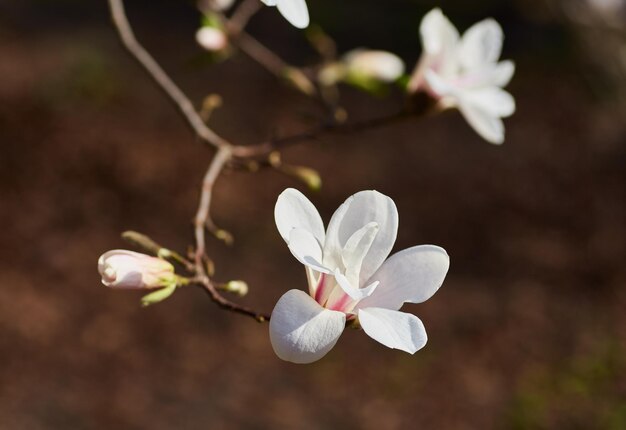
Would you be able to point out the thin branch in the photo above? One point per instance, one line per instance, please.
(208, 287)
(242, 15)
(174, 93)
(264, 148)
(202, 220)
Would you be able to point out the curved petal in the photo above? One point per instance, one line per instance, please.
(301, 331)
(294, 210)
(306, 249)
(397, 330)
(487, 125)
(357, 211)
(294, 11)
(355, 293)
(356, 249)
(438, 84)
(412, 275)
(481, 44)
(492, 100)
(502, 73)
(438, 34)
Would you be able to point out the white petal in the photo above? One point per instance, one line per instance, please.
(487, 125)
(270, 2)
(412, 275)
(294, 210)
(492, 100)
(306, 249)
(438, 84)
(438, 34)
(358, 210)
(356, 249)
(481, 44)
(294, 11)
(397, 330)
(301, 331)
(503, 72)
(355, 293)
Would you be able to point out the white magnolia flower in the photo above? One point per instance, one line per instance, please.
(211, 38)
(124, 269)
(350, 277)
(464, 72)
(294, 11)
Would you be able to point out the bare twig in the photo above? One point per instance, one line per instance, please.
(205, 283)
(265, 148)
(202, 219)
(155, 71)
(242, 15)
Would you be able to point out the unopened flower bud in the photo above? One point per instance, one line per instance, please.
(237, 287)
(131, 270)
(378, 65)
(211, 38)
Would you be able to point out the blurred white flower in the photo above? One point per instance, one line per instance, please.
(294, 11)
(464, 72)
(380, 65)
(350, 277)
(124, 269)
(211, 38)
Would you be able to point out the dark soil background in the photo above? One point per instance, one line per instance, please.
(528, 331)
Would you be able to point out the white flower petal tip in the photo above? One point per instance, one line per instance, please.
(294, 11)
(294, 210)
(465, 72)
(397, 330)
(350, 276)
(302, 331)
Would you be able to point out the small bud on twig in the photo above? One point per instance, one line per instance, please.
(236, 287)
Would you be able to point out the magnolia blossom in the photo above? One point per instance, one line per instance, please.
(211, 38)
(380, 65)
(294, 11)
(131, 270)
(464, 72)
(350, 277)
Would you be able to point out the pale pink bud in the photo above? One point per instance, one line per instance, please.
(131, 270)
(211, 39)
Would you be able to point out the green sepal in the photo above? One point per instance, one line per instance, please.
(158, 296)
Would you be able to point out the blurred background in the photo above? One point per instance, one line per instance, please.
(528, 331)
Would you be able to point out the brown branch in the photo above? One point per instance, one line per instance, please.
(208, 287)
(202, 220)
(265, 148)
(242, 15)
(165, 83)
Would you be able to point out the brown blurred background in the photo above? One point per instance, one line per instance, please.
(528, 331)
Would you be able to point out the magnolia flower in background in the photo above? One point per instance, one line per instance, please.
(464, 72)
(211, 38)
(380, 65)
(363, 65)
(350, 277)
(131, 270)
(294, 11)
